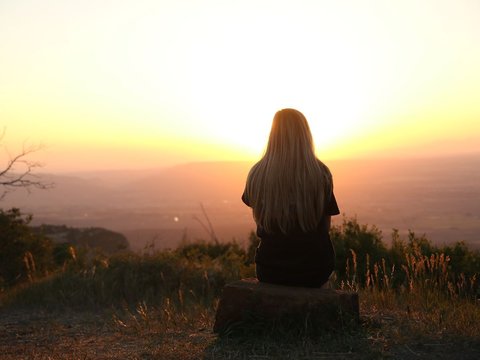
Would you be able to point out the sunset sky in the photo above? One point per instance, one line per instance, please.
(139, 83)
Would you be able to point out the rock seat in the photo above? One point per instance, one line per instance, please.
(248, 299)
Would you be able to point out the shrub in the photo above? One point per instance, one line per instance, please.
(24, 255)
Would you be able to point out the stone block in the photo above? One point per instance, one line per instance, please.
(247, 299)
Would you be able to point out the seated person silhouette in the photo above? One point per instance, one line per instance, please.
(291, 194)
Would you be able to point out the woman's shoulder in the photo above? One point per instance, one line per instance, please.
(324, 168)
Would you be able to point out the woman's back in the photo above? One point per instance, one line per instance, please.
(291, 194)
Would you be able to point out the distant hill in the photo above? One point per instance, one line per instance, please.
(199, 182)
(106, 241)
(436, 196)
(202, 182)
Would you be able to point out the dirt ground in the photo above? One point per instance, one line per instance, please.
(71, 335)
(40, 335)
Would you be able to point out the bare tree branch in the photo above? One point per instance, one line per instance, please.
(19, 171)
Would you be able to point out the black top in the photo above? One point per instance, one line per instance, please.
(308, 253)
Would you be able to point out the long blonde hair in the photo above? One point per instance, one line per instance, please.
(288, 187)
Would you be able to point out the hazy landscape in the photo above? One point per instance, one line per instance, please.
(435, 196)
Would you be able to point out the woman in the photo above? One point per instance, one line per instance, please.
(291, 194)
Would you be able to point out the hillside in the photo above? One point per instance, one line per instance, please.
(106, 241)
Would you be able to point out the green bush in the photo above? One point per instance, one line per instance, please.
(24, 254)
(197, 271)
(356, 247)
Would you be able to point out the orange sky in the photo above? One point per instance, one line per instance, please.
(150, 83)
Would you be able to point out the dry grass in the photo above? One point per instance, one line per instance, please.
(166, 333)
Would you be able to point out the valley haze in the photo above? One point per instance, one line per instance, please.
(438, 197)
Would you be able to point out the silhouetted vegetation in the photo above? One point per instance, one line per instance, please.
(199, 270)
(19, 171)
(362, 255)
(24, 254)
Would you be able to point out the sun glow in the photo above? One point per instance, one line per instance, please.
(188, 80)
